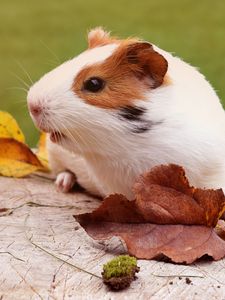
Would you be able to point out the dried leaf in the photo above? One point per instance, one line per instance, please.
(9, 127)
(157, 222)
(42, 152)
(220, 229)
(181, 243)
(16, 159)
(164, 196)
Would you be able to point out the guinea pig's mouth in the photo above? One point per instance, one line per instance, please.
(56, 136)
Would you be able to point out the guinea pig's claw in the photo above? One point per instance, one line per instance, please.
(65, 181)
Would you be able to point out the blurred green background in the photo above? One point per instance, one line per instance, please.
(38, 35)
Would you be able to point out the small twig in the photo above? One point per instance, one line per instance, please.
(10, 210)
(35, 204)
(5, 212)
(7, 252)
(42, 176)
(177, 275)
(62, 260)
(56, 257)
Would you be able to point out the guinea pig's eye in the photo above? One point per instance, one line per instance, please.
(94, 84)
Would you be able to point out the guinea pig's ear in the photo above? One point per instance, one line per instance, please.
(147, 63)
(98, 37)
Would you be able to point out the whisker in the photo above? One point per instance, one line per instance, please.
(23, 101)
(50, 51)
(93, 135)
(50, 63)
(67, 130)
(20, 79)
(24, 70)
(86, 128)
(17, 88)
(61, 135)
(84, 141)
(84, 138)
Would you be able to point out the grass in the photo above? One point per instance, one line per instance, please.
(38, 35)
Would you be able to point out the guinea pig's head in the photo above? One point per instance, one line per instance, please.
(98, 97)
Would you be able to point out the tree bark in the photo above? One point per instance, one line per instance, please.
(40, 241)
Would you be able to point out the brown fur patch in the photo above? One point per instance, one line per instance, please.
(129, 72)
(98, 37)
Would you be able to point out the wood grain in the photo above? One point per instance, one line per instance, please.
(45, 217)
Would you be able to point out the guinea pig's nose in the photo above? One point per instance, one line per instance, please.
(35, 109)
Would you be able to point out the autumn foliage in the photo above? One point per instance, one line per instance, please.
(16, 158)
(167, 217)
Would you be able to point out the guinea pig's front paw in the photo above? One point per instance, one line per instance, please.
(65, 181)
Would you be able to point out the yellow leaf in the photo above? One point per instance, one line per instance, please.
(42, 153)
(16, 159)
(14, 168)
(9, 127)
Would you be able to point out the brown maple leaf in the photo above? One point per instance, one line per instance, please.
(164, 196)
(158, 220)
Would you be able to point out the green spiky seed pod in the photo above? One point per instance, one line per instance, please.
(119, 272)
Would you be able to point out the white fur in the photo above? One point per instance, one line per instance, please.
(101, 148)
(65, 181)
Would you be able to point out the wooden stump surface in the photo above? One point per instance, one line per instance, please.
(40, 223)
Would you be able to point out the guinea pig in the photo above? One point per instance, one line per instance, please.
(122, 107)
